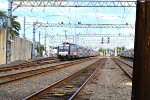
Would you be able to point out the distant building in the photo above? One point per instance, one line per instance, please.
(52, 52)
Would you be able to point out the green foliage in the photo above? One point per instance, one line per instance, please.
(123, 48)
(40, 50)
(119, 49)
(100, 49)
(15, 25)
(2, 14)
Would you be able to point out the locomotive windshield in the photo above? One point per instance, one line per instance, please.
(63, 48)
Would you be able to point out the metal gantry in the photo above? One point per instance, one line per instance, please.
(106, 35)
(96, 35)
(40, 24)
(97, 39)
(73, 3)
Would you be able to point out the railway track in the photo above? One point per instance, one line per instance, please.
(69, 87)
(22, 75)
(124, 66)
(125, 63)
(28, 64)
(129, 59)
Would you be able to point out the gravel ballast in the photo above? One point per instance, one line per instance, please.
(110, 84)
(126, 61)
(31, 68)
(21, 89)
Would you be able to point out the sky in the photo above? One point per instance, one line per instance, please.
(86, 15)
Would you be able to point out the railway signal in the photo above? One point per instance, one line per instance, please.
(102, 40)
(108, 41)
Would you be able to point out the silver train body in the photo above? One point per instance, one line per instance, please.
(127, 53)
(73, 51)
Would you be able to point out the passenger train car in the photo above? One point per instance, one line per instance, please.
(127, 53)
(73, 51)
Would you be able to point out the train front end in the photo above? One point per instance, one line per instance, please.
(63, 52)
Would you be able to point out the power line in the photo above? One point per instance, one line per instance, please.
(40, 24)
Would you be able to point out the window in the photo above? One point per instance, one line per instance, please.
(63, 48)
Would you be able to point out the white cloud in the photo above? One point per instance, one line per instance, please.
(104, 16)
(92, 15)
(3, 6)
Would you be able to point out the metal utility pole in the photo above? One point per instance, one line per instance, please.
(33, 46)
(76, 38)
(24, 30)
(39, 43)
(116, 51)
(73, 39)
(141, 65)
(8, 41)
(65, 36)
(45, 44)
(76, 28)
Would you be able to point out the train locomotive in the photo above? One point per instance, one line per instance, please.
(73, 51)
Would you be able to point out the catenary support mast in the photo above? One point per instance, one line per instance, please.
(33, 46)
(24, 27)
(8, 41)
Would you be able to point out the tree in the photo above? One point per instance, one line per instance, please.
(40, 48)
(123, 48)
(2, 14)
(118, 50)
(15, 25)
(100, 49)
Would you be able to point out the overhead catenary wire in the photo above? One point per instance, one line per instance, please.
(65, 16)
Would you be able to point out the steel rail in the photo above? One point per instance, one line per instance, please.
(117, 62)
(27, 64)
(124, 63)
(22, 75)
(80, 89)
(56, 84)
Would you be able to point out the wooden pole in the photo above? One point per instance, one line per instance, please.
(141, 65)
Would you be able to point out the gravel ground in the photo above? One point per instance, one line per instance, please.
(21, 61)
(111, 83)
(126, 61)
(31, 68)
(21, 89)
